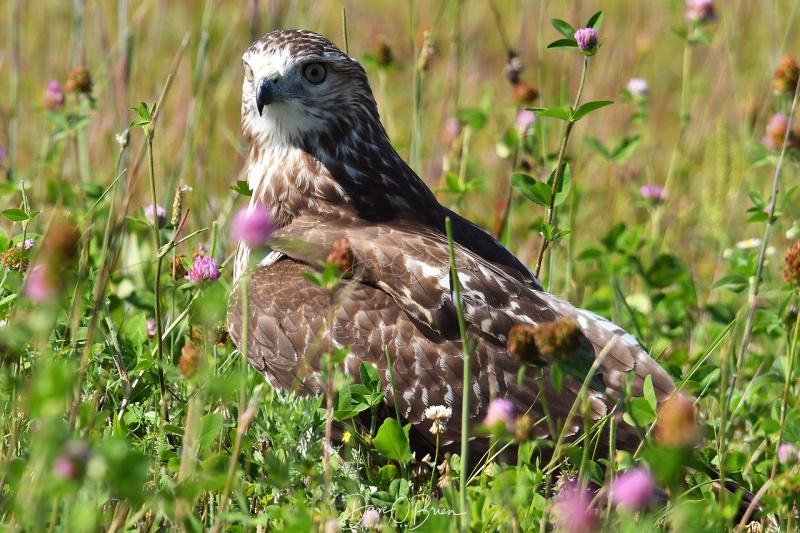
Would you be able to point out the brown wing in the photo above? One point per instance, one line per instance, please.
(288, 333)
(410, 262)
(402, 303)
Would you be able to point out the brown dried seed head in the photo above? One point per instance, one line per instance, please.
(786, 76)
(522, 343)
(383, 53)
(342, 256)
(190, 359)
(676, 426)
(425, 52)
(61, 242)
(79, 81)
(523, 429)
(524, 93)
(16, 258)
(177, 205)
(560, 339)
(792, 270)
(176, 268)
(537, 345)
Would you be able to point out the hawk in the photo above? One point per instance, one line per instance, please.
(323, 165)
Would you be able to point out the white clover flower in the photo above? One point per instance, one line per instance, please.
(638, 87)
(748, 244)
(371, 519)
(440, 415)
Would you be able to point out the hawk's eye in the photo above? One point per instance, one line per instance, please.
(314, 72)
(248, 72)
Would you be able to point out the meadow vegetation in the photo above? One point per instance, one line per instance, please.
(673, 211)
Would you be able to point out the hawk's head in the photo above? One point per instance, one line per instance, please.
(299, 87)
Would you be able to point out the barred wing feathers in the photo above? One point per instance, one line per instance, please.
(401, 300)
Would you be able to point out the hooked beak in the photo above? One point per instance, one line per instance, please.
(265, 93)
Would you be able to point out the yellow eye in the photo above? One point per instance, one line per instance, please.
(248, 72)
(314, 72)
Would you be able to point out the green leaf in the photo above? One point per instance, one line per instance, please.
(595, 144)
(665, 270)
(386, 475)
(392, 441)
(640, 413)
(369, 377)
(242, 188)
(588, 107)
(555, 112)
(345, 405)
(135, 331)
(758, 216)
(563, 27)
(16, 215)
(563, 44)
(733, 283)
(625, 149)
(547, 231)
(210, 426)
(535, 191)
(649, 392)
(591, 254)
(454, 184)
(788, 196)
(474, 118)
(557, 376)
(564, 185)
(595, 21)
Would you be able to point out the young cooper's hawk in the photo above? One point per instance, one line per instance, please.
(322, 163)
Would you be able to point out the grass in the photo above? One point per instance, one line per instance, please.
(106, 427)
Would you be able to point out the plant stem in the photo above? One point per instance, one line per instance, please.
(159, 261)
(245, 418)
(767, 236)
(559, 172)
(787, 387)
(344, 31)
(13, 89)
(466, 380)
(684, 116)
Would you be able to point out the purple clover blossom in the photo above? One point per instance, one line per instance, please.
(700, 11)
(160, 215)
(452, 128)
(151, 329)
(525, 119)
(54, 96)
(775, 132)
(38, 286)
(587, 39)
(574, 512)
(204, 270)
(252, 225)
(2, 155)
(500, 412)
(653, 193)
(27, 244)
(71, 463)
(634, 490)
(787, 454)
(65, 468)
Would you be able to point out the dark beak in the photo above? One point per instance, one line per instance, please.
(265, 93)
